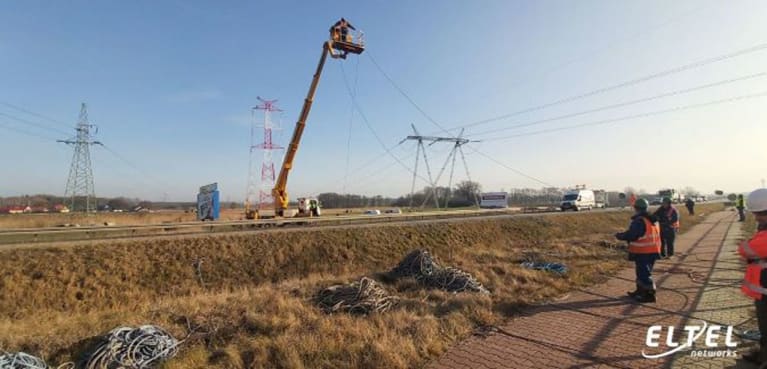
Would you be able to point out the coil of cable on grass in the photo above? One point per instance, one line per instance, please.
(420, 265)
(361, 297)
(21, 360)
(133, 348)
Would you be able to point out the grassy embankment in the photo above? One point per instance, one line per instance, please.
(253, 308)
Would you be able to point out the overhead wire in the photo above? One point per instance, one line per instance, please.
(351, 125)
(631, 82)
(365, 120)
(31, 123)
(12, 106)
(624, 104)
(428, 117)
(28, 133)
(636, 116)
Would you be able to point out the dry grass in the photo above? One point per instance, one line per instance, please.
(255, 309)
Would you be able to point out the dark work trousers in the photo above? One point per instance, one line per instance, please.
(644, 264)
(741, 214)
(667, 237)
(691, 210)
(761, 318)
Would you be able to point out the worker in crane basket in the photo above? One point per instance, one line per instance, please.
(754, 251)
(340, 31)
(644, 249)
(668, 219)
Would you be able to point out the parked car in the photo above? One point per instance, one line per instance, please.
(393, 211)
(372, 212)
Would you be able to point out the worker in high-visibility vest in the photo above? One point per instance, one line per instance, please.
(668, 219)
(754, 251)
(740, 204)
(644, 249)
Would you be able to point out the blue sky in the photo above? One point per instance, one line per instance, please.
(170, 85)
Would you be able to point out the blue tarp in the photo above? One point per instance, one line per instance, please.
(549, 267)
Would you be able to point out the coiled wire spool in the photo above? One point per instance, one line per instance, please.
(453, 280)
(420, 265)
(133, 348)
(416, 264)
(21, 360)
(362, 297)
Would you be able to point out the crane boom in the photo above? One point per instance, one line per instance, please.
(280, 186)
(343, 43)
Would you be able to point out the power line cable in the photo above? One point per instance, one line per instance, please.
(494, 160)
(427, 116)
(32, 113)
(635, 116)
(31, 123)
(405, 95)
(372, 130)
(665, 73)
(17, 130)
(351, 122)
(624, 104)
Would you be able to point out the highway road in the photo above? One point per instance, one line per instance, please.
(55, 235)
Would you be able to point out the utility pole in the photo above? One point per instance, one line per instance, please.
(458, 143)
(80, 189)
(267, 146)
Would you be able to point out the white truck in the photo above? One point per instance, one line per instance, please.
(577, 200)
(494, 200)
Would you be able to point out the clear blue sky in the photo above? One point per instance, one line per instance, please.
(170, 85)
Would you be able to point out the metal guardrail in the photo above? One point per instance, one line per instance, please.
(58, 234)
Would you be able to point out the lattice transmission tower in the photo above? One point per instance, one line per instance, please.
(267, 147)
(80, 189)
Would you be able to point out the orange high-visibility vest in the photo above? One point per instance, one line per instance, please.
(649, 243)
(676, 224)
(755, 252)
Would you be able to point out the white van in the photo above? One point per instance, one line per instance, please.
(577, 200)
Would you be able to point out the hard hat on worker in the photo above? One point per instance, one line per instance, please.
(641, 204)
(666, 200)
(757, 200)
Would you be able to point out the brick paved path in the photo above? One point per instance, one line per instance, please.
(600, 328)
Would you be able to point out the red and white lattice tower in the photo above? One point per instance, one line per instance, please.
(265, 199)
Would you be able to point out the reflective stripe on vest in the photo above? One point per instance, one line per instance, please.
(754, 249)
(649, 243)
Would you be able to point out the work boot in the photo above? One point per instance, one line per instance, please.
(637, 291)
(647, 296)
(752, 357)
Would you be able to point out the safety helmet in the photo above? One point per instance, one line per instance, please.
(666, 200)
(757, 200)
(643, 204)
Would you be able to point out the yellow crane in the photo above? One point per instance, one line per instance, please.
(342, 42)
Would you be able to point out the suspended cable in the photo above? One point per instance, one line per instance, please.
(372, 130)
(31, 123)
(427, 116)
(665, 73)
(624, 104)
(32, 113)
(351, 121)
(37, 135)
(405, 95)
(511, 169)
(634, 116)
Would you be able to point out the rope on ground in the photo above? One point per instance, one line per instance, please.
(133, 348)
(21, 360)
(420, 265)
(362, 297)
